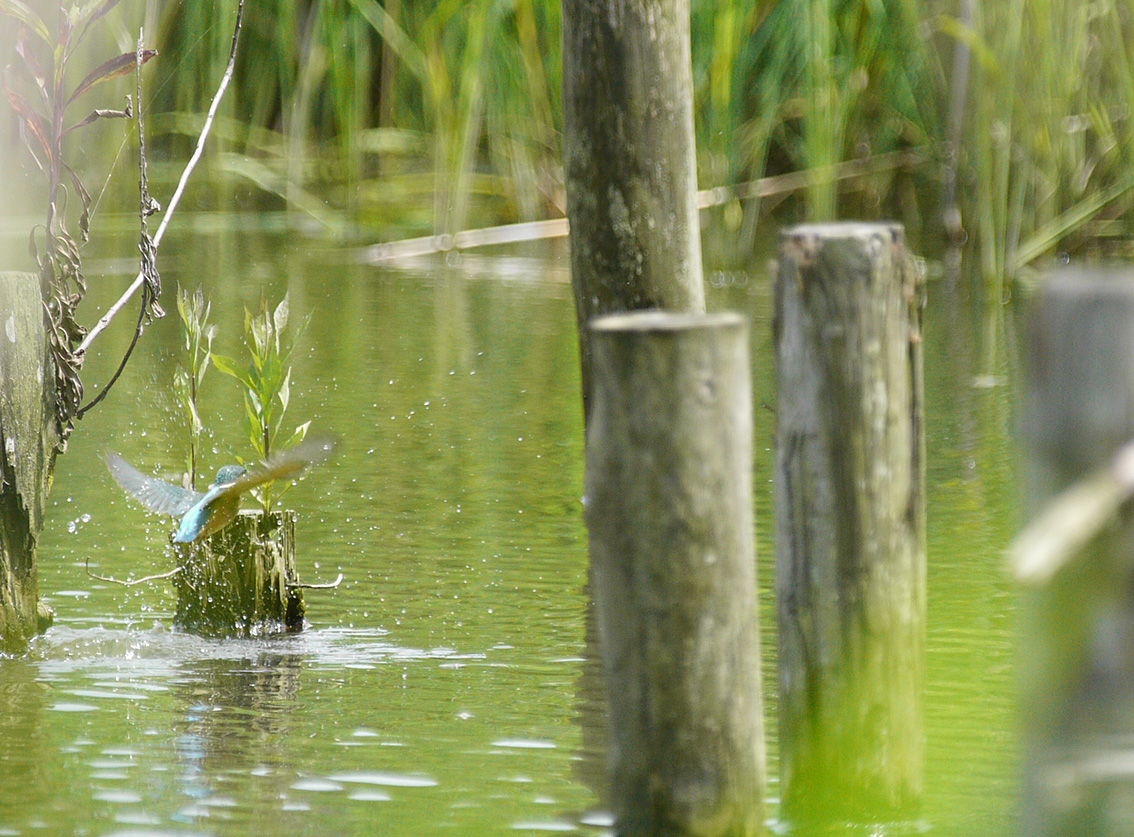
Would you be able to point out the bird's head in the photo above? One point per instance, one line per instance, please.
(229, 474)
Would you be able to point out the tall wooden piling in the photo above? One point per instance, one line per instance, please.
(28, 440)
(1077, 627)
(630, 159)
(850, 523)
(669, 513)
(242, 581)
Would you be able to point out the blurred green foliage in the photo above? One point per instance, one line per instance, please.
(431, 116)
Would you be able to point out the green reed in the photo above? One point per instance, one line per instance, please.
(415, 117)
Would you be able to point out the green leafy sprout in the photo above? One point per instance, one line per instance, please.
(197, 334)
(267, 385)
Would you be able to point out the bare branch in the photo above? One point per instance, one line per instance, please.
(134, 581)
(140, 279)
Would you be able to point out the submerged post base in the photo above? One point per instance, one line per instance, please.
(240, 582)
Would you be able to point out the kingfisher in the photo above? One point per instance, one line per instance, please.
(206, 514)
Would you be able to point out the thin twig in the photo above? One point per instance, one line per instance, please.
(330, 585)
(198, 151)
(142, 580)
(557, 227)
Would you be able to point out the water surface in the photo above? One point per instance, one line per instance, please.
(444, 686)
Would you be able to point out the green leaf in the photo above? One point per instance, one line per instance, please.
(203, 368)
(295, 339)
(182, 295)
(299, 435)
(260, 330)
(22, 13)
(285, 391)
(253, 420)
(229, 367)
(279, 318)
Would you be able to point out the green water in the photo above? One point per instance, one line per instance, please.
(444, 687)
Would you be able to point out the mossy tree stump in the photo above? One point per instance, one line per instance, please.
(28, 444)
(242, 581)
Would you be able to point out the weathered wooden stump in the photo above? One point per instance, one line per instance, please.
(630, 160)
(1077, 625)
(242, 581)
(850, 524)
(669, 514)
(28, 439)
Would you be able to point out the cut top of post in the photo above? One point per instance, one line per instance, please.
(664, 321)
(845, 229)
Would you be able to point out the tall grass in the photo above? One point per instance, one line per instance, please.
(455, 100)
(415, 116)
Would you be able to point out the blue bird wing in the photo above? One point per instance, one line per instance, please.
(285, 465)
(156, 495)
(196, 518)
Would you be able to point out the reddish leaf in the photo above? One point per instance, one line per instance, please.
(111, 69)
(85, 199)
(100, 113)
(33, 123)
(26, 51)
(66, 26)
(91, 14)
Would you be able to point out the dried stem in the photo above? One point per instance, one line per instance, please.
(173, 202)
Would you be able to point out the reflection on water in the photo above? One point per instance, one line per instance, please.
(444, 686)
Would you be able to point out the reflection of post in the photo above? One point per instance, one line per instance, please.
(241, 581)
(1077, 630)
(30, 781)
(850, 523)
(669, 513)
(27, 453)
(257, 697)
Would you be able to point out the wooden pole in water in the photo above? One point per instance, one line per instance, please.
(242, 581)
(850, 523)
(669, 513)
(630, 159)
(28, 440)
(1077, 626)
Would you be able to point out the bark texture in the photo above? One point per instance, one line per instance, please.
(669, 514)
(28, 440)
(239, 582)
(630, 159)
(850, 523)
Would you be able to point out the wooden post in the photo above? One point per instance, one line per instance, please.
(28, 439)
(850, 523)
(669, 513)
(1077, 630)
(629, 159)
(241, 581)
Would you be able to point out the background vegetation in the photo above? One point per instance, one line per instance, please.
(408, 117)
